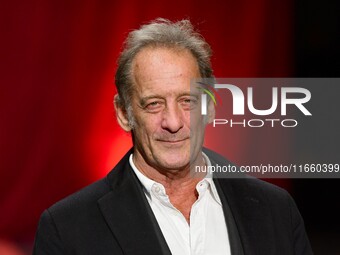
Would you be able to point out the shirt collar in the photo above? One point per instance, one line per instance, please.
(209, 179)
(148, 183)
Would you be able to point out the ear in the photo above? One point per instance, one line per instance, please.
(211, 111)
(121, 114)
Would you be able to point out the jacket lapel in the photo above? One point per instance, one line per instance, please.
(236, 247)
(128, 214)
(250, 212)
(252, 217)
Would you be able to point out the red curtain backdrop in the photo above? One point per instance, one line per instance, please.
(58, 132)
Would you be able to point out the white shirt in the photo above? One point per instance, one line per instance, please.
(207, 233)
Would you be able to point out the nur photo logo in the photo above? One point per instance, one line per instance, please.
(243, 102)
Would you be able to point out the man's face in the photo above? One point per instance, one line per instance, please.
(161, 105)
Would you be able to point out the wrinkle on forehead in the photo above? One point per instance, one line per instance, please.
(159, 64)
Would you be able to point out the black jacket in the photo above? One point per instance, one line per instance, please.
(112, 216)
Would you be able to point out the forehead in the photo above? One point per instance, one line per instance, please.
(159, 65)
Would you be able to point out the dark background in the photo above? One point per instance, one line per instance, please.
(58, 132)
(317, 54)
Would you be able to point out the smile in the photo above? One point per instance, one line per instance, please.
(173, 141)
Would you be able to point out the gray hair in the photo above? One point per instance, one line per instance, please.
(159, 33)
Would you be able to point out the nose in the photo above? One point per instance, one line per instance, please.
(172, 118)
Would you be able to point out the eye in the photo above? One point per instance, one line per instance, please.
(188, 103)
(154, 106)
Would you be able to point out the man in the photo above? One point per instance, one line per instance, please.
(150, 203)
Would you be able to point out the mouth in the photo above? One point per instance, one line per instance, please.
(171, 141)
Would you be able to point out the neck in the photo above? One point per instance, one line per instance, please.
(180, 184)
(171, 179)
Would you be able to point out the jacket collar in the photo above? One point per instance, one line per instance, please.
(248, 216)
(129, 215)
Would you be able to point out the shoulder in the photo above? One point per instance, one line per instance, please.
(252, 184)
(83, 198)
(86, 199)
(70, 223)
(258, 191)
(243, 186)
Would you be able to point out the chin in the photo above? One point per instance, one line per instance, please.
(174, 162)
(173, 156)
